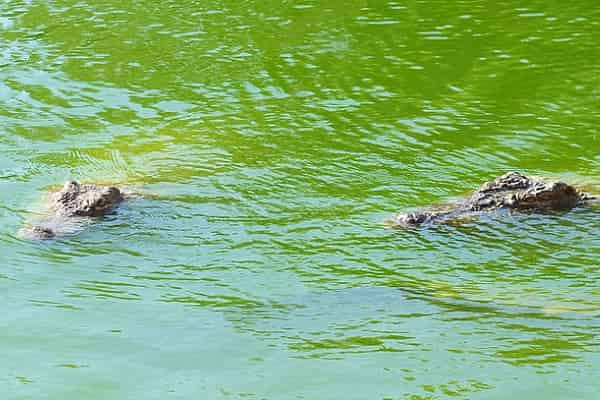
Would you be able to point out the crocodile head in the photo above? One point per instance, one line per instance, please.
(87, 200)
(549, 196)
(414, 218)
(509, 181)
(36, 233)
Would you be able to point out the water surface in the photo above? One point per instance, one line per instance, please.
(274, 139)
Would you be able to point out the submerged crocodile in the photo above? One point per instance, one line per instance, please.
(71, 208)
(513, 191)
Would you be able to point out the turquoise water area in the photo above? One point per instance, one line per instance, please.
(272, 140)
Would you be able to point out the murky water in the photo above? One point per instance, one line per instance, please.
(273, 139)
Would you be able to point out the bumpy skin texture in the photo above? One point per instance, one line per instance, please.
(86, 200)
(76, 200)
(512, 191)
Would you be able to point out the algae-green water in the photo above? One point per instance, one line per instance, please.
(272, 140)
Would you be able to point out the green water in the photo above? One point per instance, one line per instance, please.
(275, 138)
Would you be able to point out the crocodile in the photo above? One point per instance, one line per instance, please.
(72, 207)
(512, 191)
